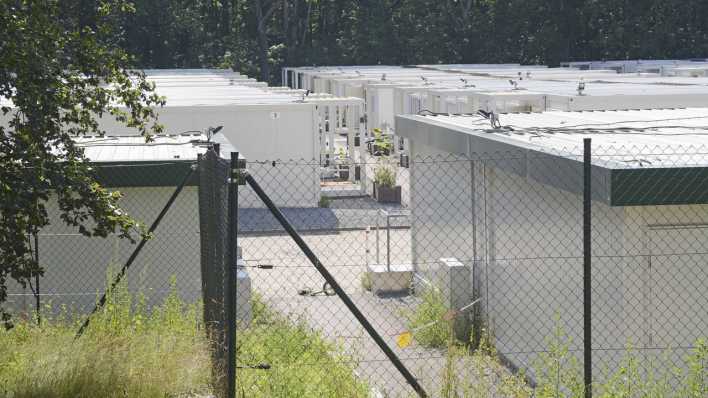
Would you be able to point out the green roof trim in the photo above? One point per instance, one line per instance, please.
(143, 173)
(659, 186)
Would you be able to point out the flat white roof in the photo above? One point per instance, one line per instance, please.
(639, 158)
(656, 135)
(101, 149)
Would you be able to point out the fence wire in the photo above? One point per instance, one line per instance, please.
(499, 235)
(77, 268)
(446, 256)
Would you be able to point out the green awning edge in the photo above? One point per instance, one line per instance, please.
(143, 173)
(659, 186)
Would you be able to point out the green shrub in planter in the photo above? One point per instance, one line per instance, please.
(385, 177)
(385, 189)
(382, 144)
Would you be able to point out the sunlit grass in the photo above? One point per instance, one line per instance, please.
(132, 351)
(476, 372)
(302, 363)
(127, 351)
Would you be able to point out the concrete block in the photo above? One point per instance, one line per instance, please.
(394, 279)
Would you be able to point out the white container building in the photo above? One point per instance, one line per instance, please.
(516, 220)
(270, 126)
(78, 268)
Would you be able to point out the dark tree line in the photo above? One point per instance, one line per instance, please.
(259, 36)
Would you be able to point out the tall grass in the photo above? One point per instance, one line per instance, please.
(130, 351)
(302, 363)
(426, 321)
(127, 351)
(559, 373)
(478, 373)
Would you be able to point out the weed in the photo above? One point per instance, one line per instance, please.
(426, 321)
(325, 201)
(303, 363)
(126, 351)
(366, 283)
(130, 351)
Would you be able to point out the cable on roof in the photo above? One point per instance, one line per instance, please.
(618, 130)
(638, 121)
(428, 112)
(99, 165)
(113, 138)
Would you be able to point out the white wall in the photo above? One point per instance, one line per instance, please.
(76, 267)
(526, 239)
(263, 134)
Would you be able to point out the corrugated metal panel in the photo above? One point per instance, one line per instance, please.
(135, 149)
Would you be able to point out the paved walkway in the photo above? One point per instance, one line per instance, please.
(344, 254)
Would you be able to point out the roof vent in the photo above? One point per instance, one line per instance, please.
(581, 87)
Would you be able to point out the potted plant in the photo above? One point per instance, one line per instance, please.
(342, 165)
(381, 145)
(385, 188)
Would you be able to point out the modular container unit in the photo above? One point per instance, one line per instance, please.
(340, 121)
(77, 268)
(509, 101)
(517, 217)
(269, 127)
(535, 96)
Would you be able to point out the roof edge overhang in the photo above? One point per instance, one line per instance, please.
(144, 173)
(611, 183)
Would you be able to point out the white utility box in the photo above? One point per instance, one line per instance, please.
(396, 278)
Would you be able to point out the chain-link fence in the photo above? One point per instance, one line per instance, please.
(485, 250)
(453, 260)
(77, 268)
(213, 226)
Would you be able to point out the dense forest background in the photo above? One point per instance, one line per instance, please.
(257, 37)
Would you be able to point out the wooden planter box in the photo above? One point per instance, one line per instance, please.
(387, 194)
(376, 150)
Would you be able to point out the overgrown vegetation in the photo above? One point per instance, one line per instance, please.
(302, 363)
(558, 373)
(325, 201)
(426, 321)
(132, 351)
(128, 351)
(478, 373)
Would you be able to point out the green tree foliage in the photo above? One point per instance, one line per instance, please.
(60, 69)
(258, 37)
(63, 62)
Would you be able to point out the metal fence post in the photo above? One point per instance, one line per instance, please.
(231, 277)
(37, 294)
(390, 354)
(587, 265)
